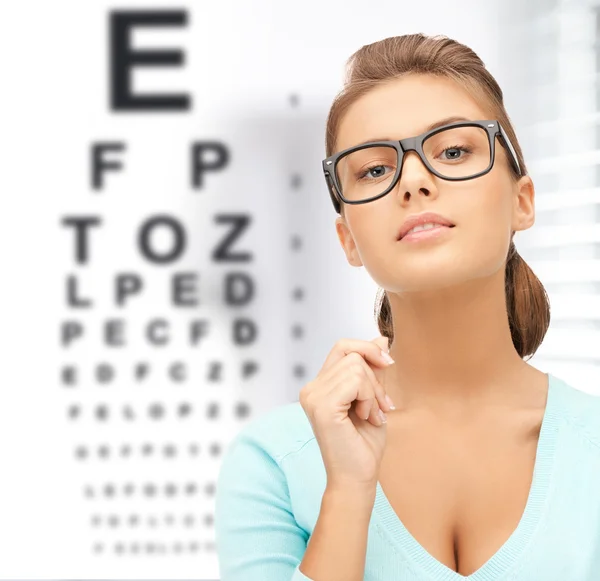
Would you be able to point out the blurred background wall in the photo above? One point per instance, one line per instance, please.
(550, 66)
(170, 263)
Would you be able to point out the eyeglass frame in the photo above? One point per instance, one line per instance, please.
(492, 126)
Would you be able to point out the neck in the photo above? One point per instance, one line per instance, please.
(453, 348)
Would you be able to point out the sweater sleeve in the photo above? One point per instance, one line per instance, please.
(257, 537)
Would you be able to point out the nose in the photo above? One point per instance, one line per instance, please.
(415, 176)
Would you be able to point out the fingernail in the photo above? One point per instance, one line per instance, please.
(382, 416)
(390, 402)
(386, 357)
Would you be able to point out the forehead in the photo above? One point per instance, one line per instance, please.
(403, 108)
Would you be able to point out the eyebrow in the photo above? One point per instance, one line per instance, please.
(430, 127)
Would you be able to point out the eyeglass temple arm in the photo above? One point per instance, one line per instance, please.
(504, 139)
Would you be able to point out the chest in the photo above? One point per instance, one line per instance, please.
(460, 495)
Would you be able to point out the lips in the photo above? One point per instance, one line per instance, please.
(426, 234)
(435, 227)
(424, 218)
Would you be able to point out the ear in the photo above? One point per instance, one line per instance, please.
(524, 204)
(347, 241)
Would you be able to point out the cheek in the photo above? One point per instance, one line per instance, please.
(368, 223)
(488, 204)
(373, 232)
(486, 223)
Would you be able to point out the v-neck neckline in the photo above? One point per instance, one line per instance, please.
(398, 535)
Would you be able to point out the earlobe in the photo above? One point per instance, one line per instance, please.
(353, 257)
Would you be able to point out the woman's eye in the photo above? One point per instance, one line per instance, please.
(452, 152)
(455, 152)
(375, 171)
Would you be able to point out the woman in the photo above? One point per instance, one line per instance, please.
(486, 468)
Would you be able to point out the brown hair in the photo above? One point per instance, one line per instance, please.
(374, 64)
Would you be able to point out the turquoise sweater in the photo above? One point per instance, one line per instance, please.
(272, 478)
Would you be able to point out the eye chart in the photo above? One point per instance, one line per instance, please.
(171, 237)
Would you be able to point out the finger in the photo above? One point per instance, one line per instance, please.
(370, 350)
(373, 413)
(378, 388)
(348, 386)
(383, 342)
(363, 386)
(376, 416)
(350, 367)
(364, 410)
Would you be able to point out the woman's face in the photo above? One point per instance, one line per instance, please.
(485, 210)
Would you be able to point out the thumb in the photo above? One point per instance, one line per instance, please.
(383, 342)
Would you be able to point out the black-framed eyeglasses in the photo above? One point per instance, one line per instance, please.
(458, 151)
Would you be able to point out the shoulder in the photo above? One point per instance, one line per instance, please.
(253, 475)
(578, 408)
(279, 431)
